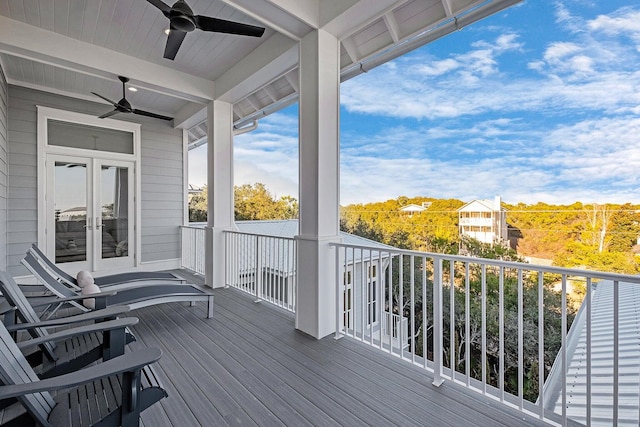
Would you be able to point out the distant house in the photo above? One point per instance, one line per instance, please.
(485, 221)
(364, 276)
(413, 209)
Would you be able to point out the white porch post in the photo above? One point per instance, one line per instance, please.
(219, 188)
(319, 182)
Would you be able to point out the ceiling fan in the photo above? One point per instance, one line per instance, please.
(123, 105)
(182, 21)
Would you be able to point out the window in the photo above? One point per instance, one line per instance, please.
(372, 306)
(346, 299)
(346, 318)
(372, 294)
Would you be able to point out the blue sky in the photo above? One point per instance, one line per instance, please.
(538, 103)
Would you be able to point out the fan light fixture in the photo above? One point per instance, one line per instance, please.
(123, 105)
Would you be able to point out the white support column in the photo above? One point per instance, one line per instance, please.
(219, 188)
(319, 182)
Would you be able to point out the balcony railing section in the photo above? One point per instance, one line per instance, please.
(496, 327)
(263, 266)
(193, 241)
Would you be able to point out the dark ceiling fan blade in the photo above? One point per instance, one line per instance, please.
(207, 23)
(106, 99)
(109, 114)
(148, 114)
(165, 8)
(174, 41)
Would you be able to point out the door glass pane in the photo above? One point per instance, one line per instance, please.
(114, 196)
(75, 135)
(70, 207)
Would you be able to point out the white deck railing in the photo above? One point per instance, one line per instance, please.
(496, 327)
(263, 266)
(193, 238)
(493, 326)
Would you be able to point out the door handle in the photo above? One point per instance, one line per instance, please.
(98, 225)
(88, 224)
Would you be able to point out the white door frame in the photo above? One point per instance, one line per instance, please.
(44, 149)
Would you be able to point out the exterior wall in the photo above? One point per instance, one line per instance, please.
(162, 192)
(3, 169)
(161, 168)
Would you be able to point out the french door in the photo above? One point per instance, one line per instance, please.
(90, 212)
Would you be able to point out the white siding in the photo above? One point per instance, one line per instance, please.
(3, 169)
(161, 179)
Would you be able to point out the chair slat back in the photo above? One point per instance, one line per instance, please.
(57, 271)
(14, 296)
(14, 369)
(46, 278)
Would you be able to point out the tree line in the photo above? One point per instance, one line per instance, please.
(251, 202)
(593, 236)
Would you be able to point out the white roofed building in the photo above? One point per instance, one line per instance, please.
(485, 221)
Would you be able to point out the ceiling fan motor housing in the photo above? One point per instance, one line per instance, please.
(181, 17)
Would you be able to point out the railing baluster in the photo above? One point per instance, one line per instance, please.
(588, 310)
(520, 342)
(363, 295)
(340, 301)
(412, 320)
(401, 297)
(563, 348)
(541, 343)
(390, 299)
(483, 358)
(452, 319)
(425, 314)
(616, 349)
(467, 327)
(501, 330)
(437, 322)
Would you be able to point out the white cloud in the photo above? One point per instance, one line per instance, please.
(268, 155)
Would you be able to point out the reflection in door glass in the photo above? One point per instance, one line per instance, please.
(70, 207)
(114, 196)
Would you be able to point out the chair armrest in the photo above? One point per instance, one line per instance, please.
(106, 313)
(5, 307)
(66, 333)
(129, 362)
(75, 298)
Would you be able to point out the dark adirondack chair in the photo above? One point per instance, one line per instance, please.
(112, 393)
(136, 295)
(73, 354)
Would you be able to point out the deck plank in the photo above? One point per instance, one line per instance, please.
(249, 366)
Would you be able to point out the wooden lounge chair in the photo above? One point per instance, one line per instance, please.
(112, 393)
(140, 295)
(73, 354)
(149, 277)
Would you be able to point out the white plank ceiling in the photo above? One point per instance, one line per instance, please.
(75, 47)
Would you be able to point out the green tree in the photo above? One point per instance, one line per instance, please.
(624, 229)
(251, 202)
(198, 207)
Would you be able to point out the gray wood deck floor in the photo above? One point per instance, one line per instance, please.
(249, 366)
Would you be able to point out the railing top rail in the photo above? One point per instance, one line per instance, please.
(245, 233)
(193, 227)
(499, 263)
